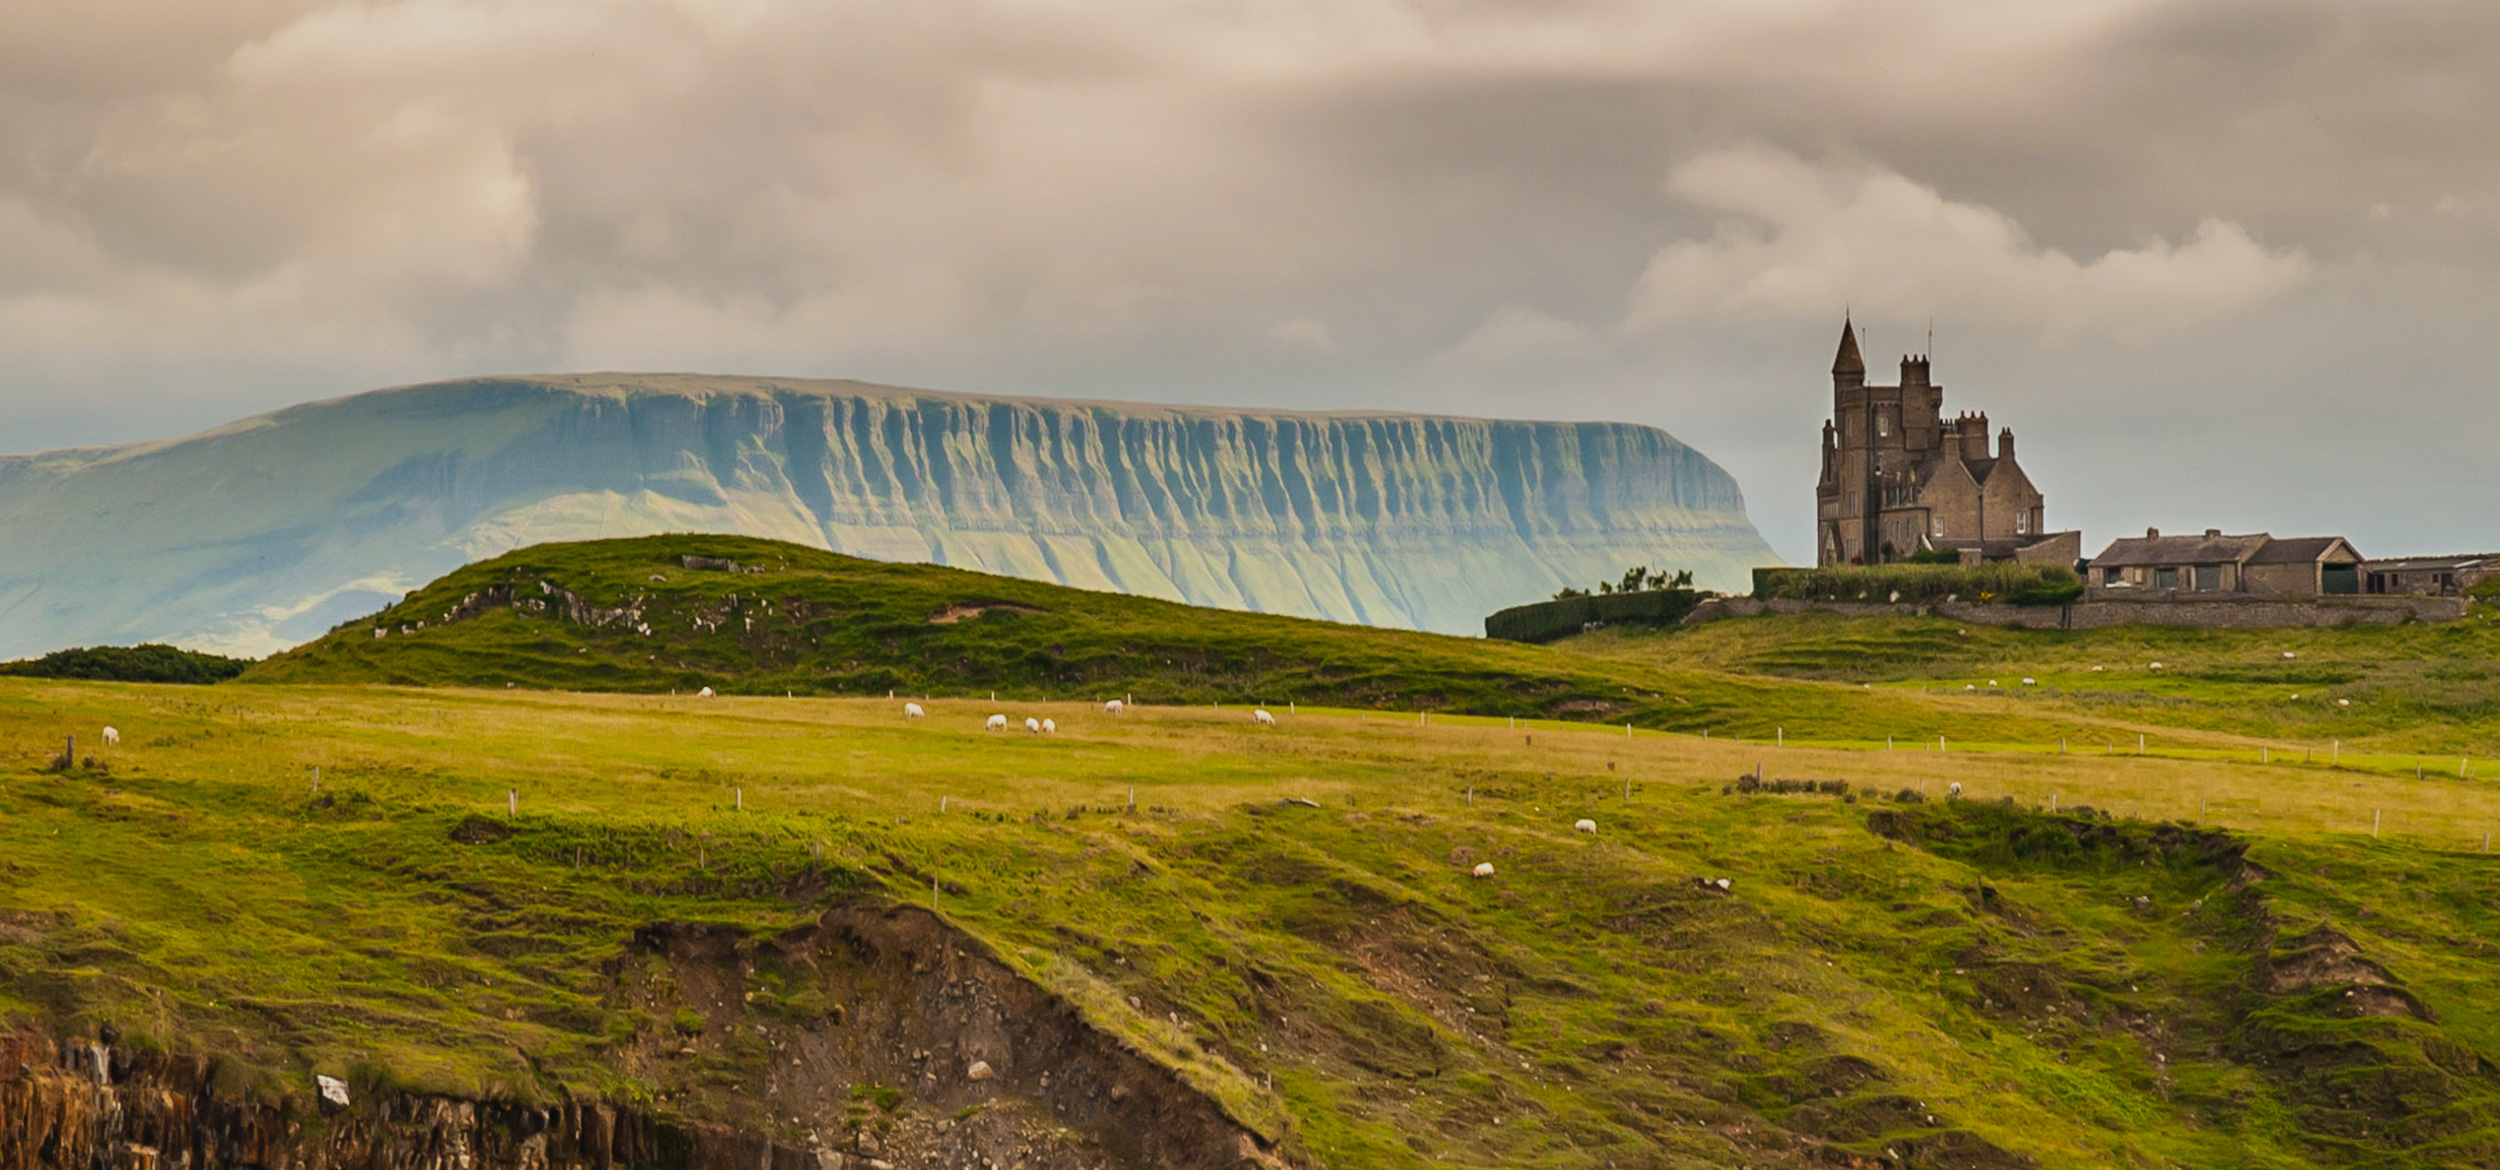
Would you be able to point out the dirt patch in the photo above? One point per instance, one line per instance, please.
(966, 610)
(480, 831)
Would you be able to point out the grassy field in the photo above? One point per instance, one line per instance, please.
(1943, 982)
(2418, 695)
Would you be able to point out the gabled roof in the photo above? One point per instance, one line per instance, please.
(2300, 550)
(1848, 362)
(2180, 550)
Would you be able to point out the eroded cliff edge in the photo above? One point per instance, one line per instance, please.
(269, 531)
(888, 1039)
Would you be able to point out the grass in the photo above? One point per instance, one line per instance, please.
(1329, 972)
(2404, 695)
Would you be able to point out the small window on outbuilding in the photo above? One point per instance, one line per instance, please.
(2208, 577)
(2165, 578)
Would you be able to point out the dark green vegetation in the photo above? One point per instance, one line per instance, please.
(1562, 617)
(795, 620)
(151, 662)
(1917, 983)
(1916, 583)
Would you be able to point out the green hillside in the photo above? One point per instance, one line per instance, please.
(1919, 984)
(571, 616)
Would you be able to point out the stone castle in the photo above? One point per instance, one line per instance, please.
(1900, 479)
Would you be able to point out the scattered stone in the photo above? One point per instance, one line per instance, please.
(980, 1071)
(333, 1093)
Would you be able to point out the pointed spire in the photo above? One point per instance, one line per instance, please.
(1848, 362)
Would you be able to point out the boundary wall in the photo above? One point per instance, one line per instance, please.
(2218, 613)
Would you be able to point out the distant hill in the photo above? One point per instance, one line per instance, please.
(153, 663)
(794, 619)
(264, 533)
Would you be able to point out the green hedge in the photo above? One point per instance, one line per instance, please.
(2003, 584)
(1545, 621)
(150, 663)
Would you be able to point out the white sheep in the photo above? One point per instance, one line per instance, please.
(1262, 717)
(2157, 666)
(914, 711)
(1584, 825)
(2289, 654)
(1954, 790)
(705, 693)
(2031, 682)
(2343, 702)
(996, 723)
(1484, 869)
(1032, 726)
(1114, 707)
(1050, 727)
(112, 736)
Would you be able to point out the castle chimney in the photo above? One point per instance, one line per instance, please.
(2005, 443)
(1973, 430)
(1914, 369)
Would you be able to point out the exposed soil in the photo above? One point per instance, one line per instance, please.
(874, 1039)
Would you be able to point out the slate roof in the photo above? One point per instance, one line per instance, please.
(1848, 361)
(2426, 564)
(2180, 550)
(2297, 550)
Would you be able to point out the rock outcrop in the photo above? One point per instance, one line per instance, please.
(269, 531)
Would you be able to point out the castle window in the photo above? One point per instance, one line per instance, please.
(1940, 526)
(1883, 424)
(2022, 523)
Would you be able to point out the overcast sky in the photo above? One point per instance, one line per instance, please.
(2231, 264)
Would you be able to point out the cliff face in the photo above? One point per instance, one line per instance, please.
(913, 1004)
(267, 532)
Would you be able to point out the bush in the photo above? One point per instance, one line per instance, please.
(1545, 621)
(1923, 584)
(150, 663)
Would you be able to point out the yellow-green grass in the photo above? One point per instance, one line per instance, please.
(1347, 989)
(2426, 690)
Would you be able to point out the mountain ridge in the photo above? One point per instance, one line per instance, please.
(266, 531)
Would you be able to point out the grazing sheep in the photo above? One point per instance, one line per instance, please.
(112, 736)
(1954, 790)
(705, 693)
(1261, 717)
(1050, 727)
(1032, 726)
(996, 723)
(1113, 707)
(1584, 825)
(2343, 702)
(1483, 869)
(913, 711)
(2289, 654)
(2157, 666)
(2098, 669)
(2031, 682)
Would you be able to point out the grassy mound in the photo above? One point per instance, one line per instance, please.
(757, 617)
(1285, 915)
(151, 662)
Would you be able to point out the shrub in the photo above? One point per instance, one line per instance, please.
(1923, 584)
(150, 663)
(1545, 621)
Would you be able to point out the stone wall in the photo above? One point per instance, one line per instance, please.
(2215, 613)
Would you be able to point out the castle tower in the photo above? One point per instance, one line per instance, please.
(1899, 477)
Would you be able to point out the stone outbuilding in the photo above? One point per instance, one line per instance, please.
(2429, 576)
(2256, 563)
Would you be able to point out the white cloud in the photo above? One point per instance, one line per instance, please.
(1801, 240)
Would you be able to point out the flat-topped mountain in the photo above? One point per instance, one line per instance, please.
(266, 532)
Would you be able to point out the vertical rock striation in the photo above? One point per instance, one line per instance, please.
(266, 532)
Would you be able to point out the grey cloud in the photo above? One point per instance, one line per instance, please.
(2218, 217)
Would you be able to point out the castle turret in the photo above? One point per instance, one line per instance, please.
(1914, 369)
(1848, 369)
